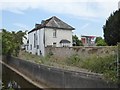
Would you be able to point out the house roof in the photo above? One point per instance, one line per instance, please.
(53, 22)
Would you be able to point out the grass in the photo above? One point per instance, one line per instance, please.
(99, 64)
(49, 60)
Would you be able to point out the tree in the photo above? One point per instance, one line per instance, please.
(76, 41)
(0, 43)
(11, 42)
(100, 42)
(98, 39)
(112, 28)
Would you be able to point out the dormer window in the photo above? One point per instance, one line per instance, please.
(54, 33)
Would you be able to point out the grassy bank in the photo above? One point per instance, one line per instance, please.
(99, 64)
(105, 65)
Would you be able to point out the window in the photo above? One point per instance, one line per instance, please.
(34, 40)
(27, 47)
(31, 47)
(27, 41)
(37, 46)
(54, 33)
(54, 44)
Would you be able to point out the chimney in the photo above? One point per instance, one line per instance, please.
(42, 22)
(36, 25)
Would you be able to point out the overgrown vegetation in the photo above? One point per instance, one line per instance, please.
(0, 43)
(34, 58)
(105, 65)
(11, 42)
(76, 41)
(74, 60)
(100, 42)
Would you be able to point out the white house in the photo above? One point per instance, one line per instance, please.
(52, 32)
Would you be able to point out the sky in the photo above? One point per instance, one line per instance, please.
(86, 16)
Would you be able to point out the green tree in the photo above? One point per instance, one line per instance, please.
(76, 41)
(112, 28)
(100, 42)
(11, 42)
(0, 43)
(98, 39)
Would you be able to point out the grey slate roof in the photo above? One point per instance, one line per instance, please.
(53, 22)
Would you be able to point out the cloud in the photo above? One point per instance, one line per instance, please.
(16, 11)
(58, 1)
(21, 26)
(85, 9)
(84, 26)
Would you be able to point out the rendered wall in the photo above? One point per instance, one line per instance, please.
(60, 34)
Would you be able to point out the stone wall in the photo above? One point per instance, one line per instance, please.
(59, 78)
(81, 51)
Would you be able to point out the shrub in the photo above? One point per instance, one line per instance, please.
(101, 43)
(105, 65)
(73, 60)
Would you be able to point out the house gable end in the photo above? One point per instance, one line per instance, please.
(54, 23)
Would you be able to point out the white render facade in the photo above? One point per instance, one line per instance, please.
(36, 44)
(49, 36)
(50, 39)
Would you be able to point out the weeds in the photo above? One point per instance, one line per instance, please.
(105, 64)
(73, 60)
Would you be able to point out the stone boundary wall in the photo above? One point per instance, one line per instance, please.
(81, 51)
(58, 78)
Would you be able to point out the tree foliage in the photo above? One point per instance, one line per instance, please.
(11, 42)
(76, 41)
(112, 28)
(100, 42)
(0, 43)
(98, 39)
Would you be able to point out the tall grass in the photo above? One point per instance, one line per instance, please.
(105, 65)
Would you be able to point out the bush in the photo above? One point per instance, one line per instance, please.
(105, 65)
(49, 54)
(101, 43)
(73, 60)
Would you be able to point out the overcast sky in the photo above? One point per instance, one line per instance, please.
(86, 16)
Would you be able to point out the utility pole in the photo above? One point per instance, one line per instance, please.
(118, 63)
